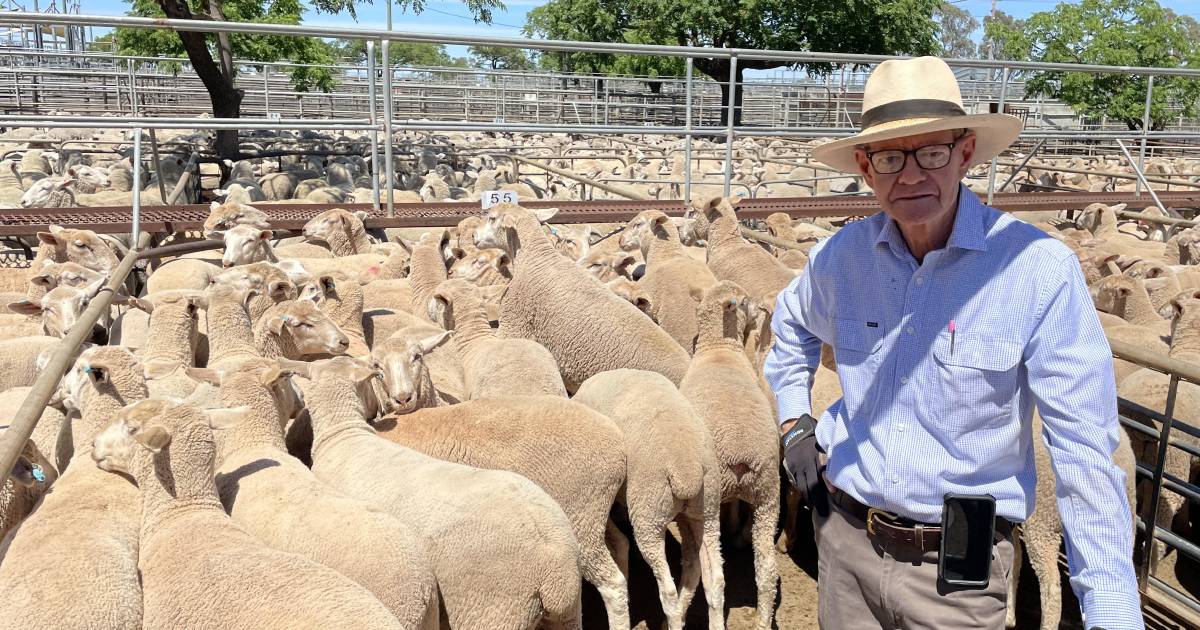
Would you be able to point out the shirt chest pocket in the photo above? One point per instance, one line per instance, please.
(857, 348)
(976, 381)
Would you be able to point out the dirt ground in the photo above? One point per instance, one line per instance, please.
(796, 604)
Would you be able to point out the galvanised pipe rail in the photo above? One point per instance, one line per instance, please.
(24, 18)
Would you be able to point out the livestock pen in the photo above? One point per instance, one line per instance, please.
(1165, 602)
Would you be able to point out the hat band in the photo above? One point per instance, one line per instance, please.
(911, 108)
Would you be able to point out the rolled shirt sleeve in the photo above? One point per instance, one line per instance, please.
(1070, 374)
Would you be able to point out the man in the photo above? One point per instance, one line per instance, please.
(950, 322)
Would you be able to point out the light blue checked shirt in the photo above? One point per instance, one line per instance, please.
(919, 419)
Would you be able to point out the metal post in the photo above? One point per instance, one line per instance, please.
(733, 62)
(137, 187)
(162, 190)
(1137, 170)
(374, 121)
(687, 140)
(387, 123)
(133, 106)
(266, 90)
(1137, 191)
(1156, 487)
(999, 110)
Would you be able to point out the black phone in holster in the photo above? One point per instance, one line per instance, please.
(968, 533)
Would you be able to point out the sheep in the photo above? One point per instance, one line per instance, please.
(89, 577)
(170, 343)
(723, 388)
(50, 192)
(301, 269)
(1140, 324)
(1148, 388)
(168, 448)
(231, 331)
(28, 480)
(427, 269)
(18, 358)
(671, 275)
(731, 258)
(673, 475)
(222, 216)
(547, 294)
(492, 366)
(342, 300)
(393, 294)
(633, 293)
(503, 552)
(1041, 533)
(278, 186)
(182, 274)
(606, 266)
(274, 497)
(270, 285)
(342, 230)
(83, 247)
(52, 434)
(294, 328)
(538, 437)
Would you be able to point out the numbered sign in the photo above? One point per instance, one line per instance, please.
(273, 116)
(493, 197)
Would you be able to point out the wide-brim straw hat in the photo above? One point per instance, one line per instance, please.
(909, 97)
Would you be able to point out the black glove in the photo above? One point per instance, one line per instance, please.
(802, 463)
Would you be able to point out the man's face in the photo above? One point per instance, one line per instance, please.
(916, 195)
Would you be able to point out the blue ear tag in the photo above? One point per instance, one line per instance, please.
(38, 474)
(87, 369)
(285, 317)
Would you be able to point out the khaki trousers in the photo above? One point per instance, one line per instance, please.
(866, 585)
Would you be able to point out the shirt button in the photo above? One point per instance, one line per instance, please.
(904, 380)
(895, 479)
(911, 330)
(920, 280)
(900, 428)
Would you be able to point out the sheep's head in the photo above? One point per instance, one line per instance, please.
(244, 244)
(41, 192)
(1168, 310)
(401, 361)
(367, 380)
(606, 266)
(633, 293)
(642, 228)
(90, 177)
(69, 274)
(103, 370)
(147, 426)
(226, 215)
(83, 247)
(464, 233)
(1113, 291)
(331, 223)
(574, 245)
(31, 468)
(60, 307)
(444, 297)
(500, 228)
(473, 266)
(726, 303)
(310, 329)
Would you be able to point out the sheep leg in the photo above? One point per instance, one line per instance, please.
(1043, 557)
(601, 571)
(792, 507)
(1010, 617)
(650, 534)
(707, 535)
(689, 542)
(618, 546)
(766, 573)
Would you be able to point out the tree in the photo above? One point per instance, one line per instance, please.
(212, 55)
(401, 53)
(987, 47)
(864, 26)
(499, 58)
(1108, 32)
(955, 28)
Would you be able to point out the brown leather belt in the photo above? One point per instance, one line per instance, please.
(886, 527)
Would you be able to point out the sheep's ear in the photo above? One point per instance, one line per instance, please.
(362, 373)
(25, 307)
(430, 343)
(406, 244)
(1119, 207)
(41, 279)
(159, 368)
(214, 205)
(544, 214)
(205, 375)
(696, 293)
(47, 238)
(362, 215)
(265, 235)
(275, 324)
(196, 302)
(661, 219)
(328, 284)
(458, 252)
(622, 264)
(153, 438)
(501, 261)
(221, 419)
(138, 303)
(299, 368)
(273, 374)
(278, 288)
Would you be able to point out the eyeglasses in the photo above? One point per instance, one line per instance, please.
(929, 157)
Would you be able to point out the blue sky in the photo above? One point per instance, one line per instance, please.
(452, 17)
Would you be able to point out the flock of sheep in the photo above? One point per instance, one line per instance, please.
(333, 431)
(65, 168)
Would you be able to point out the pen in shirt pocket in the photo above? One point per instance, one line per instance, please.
(952, 337)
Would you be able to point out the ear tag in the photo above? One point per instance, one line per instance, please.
(286, 318)
(87, 369)
(38, 475)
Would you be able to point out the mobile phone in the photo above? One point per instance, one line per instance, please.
(968, 531)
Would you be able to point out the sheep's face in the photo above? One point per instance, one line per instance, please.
(244, 244)
(90, 177)
(633, 293)
(311, 331)
(475, 268)
(60, 307)
(237, 279)
(324, 225)
(465, 232)
(65, 274)
(499, 230)
(1111, 293)
(38, 194)
(83, 247)
(225, 216)
(637, 229)
(134, 427)
(401, 362)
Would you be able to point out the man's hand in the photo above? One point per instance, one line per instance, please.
(803, 462)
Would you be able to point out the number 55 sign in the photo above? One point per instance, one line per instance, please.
(493, 197)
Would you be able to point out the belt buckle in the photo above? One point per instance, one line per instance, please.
(871, 514)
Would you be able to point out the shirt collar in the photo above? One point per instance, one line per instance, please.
(968, 231)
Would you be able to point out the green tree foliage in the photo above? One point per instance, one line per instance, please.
(1108, 32)
(955, 29)
(987, 48)
(863, 26)
(500, 58)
